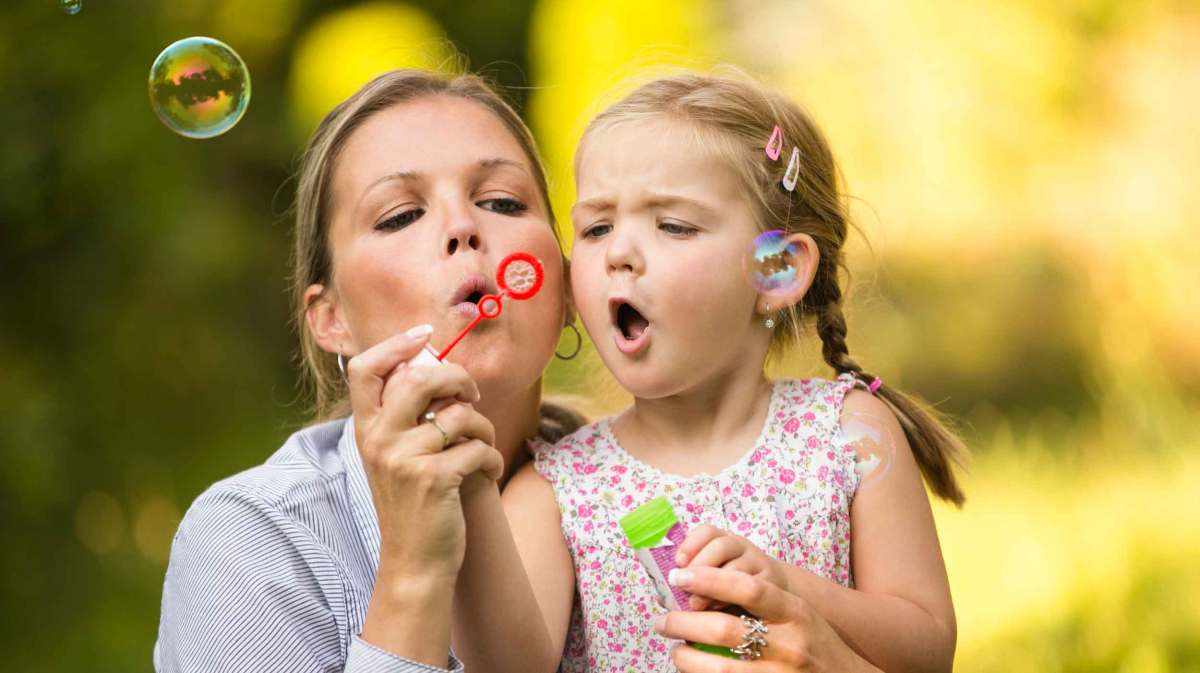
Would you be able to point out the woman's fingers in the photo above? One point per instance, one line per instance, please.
(753, 594)
(719, 551)
(690, 660)
(461, 421)
(696, 539)
(469, 457)
(410, 390)
(368, 371)
(712, 628)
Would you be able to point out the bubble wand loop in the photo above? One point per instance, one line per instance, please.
(519, 276)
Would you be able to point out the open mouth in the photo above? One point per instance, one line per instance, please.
(630, 328)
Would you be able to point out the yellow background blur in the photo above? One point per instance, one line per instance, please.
(1025, 174)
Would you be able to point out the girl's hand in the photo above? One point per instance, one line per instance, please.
(415, 474)
(710, 547)
(798, 638)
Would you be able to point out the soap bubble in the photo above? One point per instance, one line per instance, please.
(769, 263)
(199, 87)
(72, 6)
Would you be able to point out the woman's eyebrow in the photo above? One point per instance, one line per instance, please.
(403, 176)
(496, 162)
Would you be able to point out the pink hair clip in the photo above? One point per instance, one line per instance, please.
(774, 144)
(875, 385)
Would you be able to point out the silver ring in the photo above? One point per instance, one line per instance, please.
(431, 418)
(753, 641)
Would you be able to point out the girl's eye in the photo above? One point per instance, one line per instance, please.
(400, 220)
(676, 229)
(504, 206)
(596, 231)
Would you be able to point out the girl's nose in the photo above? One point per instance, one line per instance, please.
(623, 254)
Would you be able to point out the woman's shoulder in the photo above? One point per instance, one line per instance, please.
(308, 456)
(301, 476)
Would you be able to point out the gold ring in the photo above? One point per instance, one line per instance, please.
(431, 418)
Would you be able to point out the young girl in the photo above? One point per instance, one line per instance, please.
(676, 184)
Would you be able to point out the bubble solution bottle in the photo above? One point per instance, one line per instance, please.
(655, 534)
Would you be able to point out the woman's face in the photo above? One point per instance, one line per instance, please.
(428, 196)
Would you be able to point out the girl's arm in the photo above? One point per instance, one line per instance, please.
(899, 616)
(503, 621)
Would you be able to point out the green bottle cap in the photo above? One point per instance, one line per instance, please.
(647, 524)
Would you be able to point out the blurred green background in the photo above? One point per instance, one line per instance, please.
(1025, 173)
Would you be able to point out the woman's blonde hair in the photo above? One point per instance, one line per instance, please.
(733, 117)
(312, 260)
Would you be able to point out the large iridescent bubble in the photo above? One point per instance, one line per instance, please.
(199, 87)
(72, 6)
(769, 265)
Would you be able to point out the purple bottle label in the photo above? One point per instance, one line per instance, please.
(664, 558)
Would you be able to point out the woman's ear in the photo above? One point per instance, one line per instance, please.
(805, 258)
(323, 316)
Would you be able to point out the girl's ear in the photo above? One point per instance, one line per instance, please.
(805, 259)
(323, 316)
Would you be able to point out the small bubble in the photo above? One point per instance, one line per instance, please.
(769, 263)
(199, 87)
(72, 6)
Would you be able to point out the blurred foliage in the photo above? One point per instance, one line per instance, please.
(1023, 173)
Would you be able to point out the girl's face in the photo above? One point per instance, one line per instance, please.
(661, 227)
(428, 197)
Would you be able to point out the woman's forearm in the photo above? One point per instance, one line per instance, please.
(498, 626)
(895, 634)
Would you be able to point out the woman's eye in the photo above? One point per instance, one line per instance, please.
(596, 231)
(400, 220)
(503, 206)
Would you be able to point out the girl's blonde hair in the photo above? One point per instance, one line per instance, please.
(733, 117)
(312, 260)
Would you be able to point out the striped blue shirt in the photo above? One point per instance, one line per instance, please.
(272, 569)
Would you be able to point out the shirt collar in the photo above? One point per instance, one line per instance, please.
(362, 505)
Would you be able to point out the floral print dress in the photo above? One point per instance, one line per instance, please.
(789, 495)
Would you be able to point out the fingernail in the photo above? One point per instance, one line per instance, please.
(419, 331)
(678, 577)
(680, 558)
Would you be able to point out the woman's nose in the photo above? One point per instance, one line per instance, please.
(462, 235)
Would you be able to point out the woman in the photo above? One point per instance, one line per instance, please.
(342, 551)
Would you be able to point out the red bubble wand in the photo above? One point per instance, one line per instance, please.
(519, 276)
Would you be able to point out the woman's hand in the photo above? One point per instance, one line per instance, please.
(414, 472)
(798, 639)
(710, 547)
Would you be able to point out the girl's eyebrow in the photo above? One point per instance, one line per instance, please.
(652, 200)
(595, 204)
